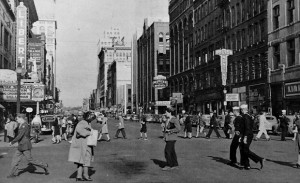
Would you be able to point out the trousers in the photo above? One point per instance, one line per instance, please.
(264, 131)
(17, 157)
(233, 147)
(123, 132)
(215, 129)
(247, 153)
(284, 130)
(170, 153)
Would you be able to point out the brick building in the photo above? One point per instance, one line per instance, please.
(284, 54)
(153, 60)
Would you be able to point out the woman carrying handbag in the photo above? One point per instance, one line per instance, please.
(80, 153)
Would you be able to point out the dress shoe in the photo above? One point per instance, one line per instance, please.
(11, 176)
(46, 169)
(174, 167)
(247, 167)
(79, 179)
(262, 162)
(87, 179)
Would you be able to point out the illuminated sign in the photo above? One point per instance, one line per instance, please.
(21, 36)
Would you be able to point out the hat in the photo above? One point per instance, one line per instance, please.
(284, 111)
(244, 106)
(236, 108)
(21, 115)
(80, 113)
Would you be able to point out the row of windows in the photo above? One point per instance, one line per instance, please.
(290, 14)
(291, 54)
(118, 54)
(181, 8)
(161, 37)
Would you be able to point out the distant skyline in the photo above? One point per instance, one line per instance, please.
(80, 24)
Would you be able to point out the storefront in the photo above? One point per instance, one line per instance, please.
(292, 97)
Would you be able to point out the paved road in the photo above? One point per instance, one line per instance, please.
(135, 161)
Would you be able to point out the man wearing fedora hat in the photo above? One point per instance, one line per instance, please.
(24, 148)
(284, 123)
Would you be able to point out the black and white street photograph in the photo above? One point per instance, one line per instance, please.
(149, 91)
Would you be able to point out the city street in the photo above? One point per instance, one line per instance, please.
(132, 160)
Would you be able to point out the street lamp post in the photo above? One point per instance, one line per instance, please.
(19, 72)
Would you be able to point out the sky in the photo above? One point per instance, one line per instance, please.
(80, 24)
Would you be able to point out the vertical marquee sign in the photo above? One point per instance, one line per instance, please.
(224, 53)
(21, 37)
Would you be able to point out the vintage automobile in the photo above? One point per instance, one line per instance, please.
(271, 125)
(47, 121)
(135, 117)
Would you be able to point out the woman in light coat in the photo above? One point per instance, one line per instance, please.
(104, 129)
(80, 153)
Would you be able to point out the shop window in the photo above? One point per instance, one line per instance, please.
(276, 56)
(291, 52)
(276, 15)
(290, 11)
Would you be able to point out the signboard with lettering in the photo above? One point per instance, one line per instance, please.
(21, 35)
(160, 82)
(232, 97)
(224, 53)
(38, 92)
(162, 103)
(292, 89)
(8, 93)
(7, 77)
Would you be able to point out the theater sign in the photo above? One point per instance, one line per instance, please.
(292, 89)
(21, 36)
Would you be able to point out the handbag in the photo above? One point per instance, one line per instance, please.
(92, 139)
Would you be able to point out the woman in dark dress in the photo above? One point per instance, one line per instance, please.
(56, 132)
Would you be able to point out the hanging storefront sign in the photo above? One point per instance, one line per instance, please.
(224, 53)
(292, 89)
(21, 35)
(162, 103)
(8, 93)
(232, 97)
(7, 77)
(160, 82)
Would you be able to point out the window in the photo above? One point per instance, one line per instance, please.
(250, 8)
(161, 37)
(6, 40)
(244, 42)
(276, 56)
(263, 33)
(290, 11)
(243, 11)
(238, 37)
(233, 16)
(233, 42)
(238, 13)
(291, 52)
(276, 17)
(250, 34)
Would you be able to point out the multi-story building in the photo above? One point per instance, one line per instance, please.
(7, 37)
(119, 86)
(106, 56)
(48, 26)
(284, 55)
(181, 51)
(153, 60)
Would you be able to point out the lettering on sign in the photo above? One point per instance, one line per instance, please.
(224, 53)
(232, 97)
(292, 89)
(21, 36)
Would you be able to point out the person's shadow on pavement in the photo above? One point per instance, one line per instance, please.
(31, 169)
(160, 163)
(226, 162)
(91, 172)
(284, 163)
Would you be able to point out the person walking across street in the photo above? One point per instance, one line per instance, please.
(246, 134)
(143, 129)
(11, 126)
(213, 125)
(295, 129)
(262, 127)
(24, 148)
(187, 126)
(227, 127)
(235, 140)
(36, 125)
(200, 125)
(297, 140)
(284, 123)
(121, 128)
(80, 153)
(104, 128)
(172, 128)
(56, 138)
(64, 128)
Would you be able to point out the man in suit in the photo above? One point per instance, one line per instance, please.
(246, 134)
(213, 125)
(226, 124)
(24, 148)
(235, 141)
(284, 123)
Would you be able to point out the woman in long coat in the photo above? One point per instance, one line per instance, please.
(80, 153)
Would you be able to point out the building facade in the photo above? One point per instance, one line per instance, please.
(284, 55)
(107, 55)
(152, 60)
(181, 51)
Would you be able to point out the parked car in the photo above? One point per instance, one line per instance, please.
(47, 123)
(127, 117)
